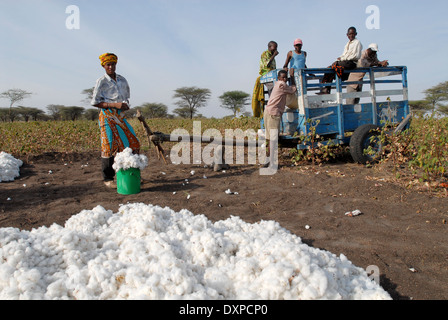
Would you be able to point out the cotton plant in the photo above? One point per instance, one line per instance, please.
(127, 160)
(9, 167)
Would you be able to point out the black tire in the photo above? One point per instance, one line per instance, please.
(362, 140)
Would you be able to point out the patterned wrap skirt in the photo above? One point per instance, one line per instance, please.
(116, 133)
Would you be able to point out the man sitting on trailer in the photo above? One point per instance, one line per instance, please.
(274, 111)
(369, 58)
(347, 61)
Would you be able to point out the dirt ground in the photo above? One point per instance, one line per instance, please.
(401, 230)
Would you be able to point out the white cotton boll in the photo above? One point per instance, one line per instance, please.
(28, 284)
(87, 222)
(271, 283)
(319, 282)
(6, 272)
(10, 293)
(148, 252)
(9, 167)
(57, 290)
(214, 278)
(126, 160)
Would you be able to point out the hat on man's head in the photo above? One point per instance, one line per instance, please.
(107, 58)
(373, 47)
(298, 41)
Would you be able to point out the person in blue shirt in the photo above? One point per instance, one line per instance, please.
(296, 59)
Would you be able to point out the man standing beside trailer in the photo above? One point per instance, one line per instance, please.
(273, 114)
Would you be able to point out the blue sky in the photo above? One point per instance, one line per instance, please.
(216, 44)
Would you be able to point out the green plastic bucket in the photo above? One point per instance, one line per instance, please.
(128, 181)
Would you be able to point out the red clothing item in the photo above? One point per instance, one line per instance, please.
(277, 100)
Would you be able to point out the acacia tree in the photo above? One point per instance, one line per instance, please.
(436, 95)
(182, 112)
(190, 99)
(420, 106)
(91, 114)
(89, 95)
(72, 113)
(443, 109)
(154, 110)
(28, 113)
(234, 101)
(8, 115)
(14, 96)
(55, 111)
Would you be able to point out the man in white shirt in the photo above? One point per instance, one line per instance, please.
(347, 61)
(353, 49)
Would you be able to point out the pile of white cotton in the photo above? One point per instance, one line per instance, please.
(9, 167)
(126, 160)
(148, 252)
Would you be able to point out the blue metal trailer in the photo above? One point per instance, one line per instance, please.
(333, 119)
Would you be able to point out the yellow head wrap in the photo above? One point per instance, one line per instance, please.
(108, 57)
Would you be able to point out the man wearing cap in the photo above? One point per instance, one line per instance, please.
(369, 58)
(111, 95)
(296, 59)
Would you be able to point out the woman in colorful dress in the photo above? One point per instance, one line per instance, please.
(111, 95)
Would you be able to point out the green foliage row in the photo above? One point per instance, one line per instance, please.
(319, 151)
(38, 137)
(423, 147)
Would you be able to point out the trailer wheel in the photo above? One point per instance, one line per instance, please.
(364, 137)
